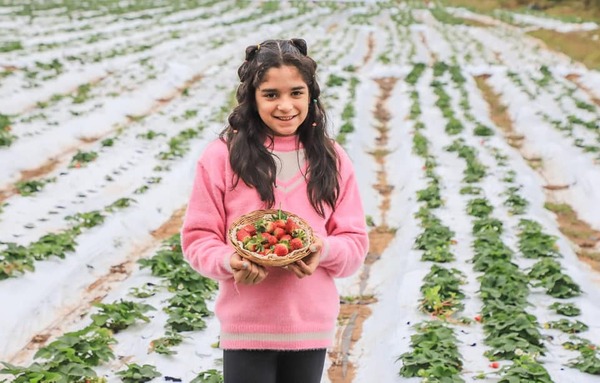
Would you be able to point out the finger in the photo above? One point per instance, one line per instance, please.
(296, 270)
(304, 267)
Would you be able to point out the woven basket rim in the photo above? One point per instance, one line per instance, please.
(270, 260)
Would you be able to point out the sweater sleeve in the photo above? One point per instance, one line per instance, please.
(204, 233)
(347, 241)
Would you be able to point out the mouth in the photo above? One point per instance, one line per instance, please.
(285, 118)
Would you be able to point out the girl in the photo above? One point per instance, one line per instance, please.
(276, 322)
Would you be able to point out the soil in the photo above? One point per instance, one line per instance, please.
(354, 312)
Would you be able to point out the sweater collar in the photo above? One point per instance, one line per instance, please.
(283, 143)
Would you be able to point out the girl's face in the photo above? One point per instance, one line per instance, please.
(282, 100)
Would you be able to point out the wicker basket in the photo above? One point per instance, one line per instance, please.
(270, 259)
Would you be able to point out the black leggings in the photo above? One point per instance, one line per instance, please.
(269, 366)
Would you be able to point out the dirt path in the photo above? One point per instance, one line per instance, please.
(356, 310)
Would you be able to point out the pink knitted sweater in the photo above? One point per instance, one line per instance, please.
(282, 312)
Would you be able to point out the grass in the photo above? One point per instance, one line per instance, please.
(567, 10)
(583, 47)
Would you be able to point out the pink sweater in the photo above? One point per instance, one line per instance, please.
(282, 312)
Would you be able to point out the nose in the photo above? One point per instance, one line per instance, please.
(285, 105)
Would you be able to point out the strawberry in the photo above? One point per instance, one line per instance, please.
(494, 365)
(280, 250)
(269, 239)
(269, 226)
(279, 232)
(477, 318)
(290, 225)
(296, 243)
(280, 223)
(285, 237)
(250, 229)
(243, 236)
(253, 245)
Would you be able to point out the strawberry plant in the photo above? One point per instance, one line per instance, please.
(87, 219)
(14, 260)
(514, 201)
(208, 376)
(441, 291)
(566, 309)
(81, 158)
(6, 138)
(435, 355)
(138, 374)
(524, 369)
(164, 344)
(567, 326)
(479, 207)
(118, 316)
(26, 188)
(533, 243)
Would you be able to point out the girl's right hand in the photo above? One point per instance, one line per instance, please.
(246, 272)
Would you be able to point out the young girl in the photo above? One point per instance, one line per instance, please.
(276, 322)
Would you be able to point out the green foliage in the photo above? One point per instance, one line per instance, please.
(118, 316)
(208, 376)
(434, 354)
(138, 374)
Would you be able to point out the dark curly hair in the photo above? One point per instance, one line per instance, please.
(246, 133)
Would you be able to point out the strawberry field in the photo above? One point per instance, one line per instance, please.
(471, 141)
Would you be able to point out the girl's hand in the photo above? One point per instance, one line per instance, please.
(246, 272)
(307, 265)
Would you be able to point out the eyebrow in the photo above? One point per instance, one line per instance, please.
(302, 87)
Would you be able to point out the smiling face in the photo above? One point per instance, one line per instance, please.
(282, 100)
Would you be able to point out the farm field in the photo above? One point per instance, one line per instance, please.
(476, 147)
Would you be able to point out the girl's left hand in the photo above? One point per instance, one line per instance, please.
(307, 265)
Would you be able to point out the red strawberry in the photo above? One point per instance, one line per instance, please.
(269, 239)
(296, 244)
(280, 223)
(280, 250)
(250, 229)
(269, 226)
(242, 235)
(494, 365)
(285, 237)
(290, 225)
(477, 318)
(279, 232)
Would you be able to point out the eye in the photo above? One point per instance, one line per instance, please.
(270, 96)
(297, 93)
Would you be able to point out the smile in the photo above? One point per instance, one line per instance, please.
(288, 118)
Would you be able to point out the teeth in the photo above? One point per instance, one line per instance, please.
(285, 118)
